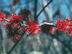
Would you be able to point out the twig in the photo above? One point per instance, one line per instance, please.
(46, 24)
(43, 8)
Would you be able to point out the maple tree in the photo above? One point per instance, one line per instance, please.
(16, 26)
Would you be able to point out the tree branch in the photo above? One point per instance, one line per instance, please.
(24, 32)
(52, 35)
(43, 8)
(35, 9)
(16, 43)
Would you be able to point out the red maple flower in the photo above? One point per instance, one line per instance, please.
(16, 17)
(16, 37)
(51, 30)
(23, 29)
(1, 20)
(64, 25)
(2, 15)
(11, 21)
(32, 27)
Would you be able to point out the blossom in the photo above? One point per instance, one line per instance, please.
(11, 21)
(32, 27)
(23, 29)
(1, 20)
(64, 25)
(2, 15)
(16, 37)
(16, 17)
(51, 30)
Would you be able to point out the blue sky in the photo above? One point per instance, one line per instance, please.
(52, 8)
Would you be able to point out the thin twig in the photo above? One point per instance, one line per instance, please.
(43, 8)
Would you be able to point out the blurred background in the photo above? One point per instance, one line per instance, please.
(42, 43)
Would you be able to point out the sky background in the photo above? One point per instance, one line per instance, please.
(64, 7)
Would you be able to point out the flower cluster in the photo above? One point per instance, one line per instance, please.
(16, 37)
(64, 25)
(32, 27)
(2, 15)
(13, 25)
(17, 24)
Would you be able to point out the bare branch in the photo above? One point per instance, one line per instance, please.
(43, 8)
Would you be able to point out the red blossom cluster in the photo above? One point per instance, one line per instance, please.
(32, 27)
(64, 25)
(16, 37)
(2, 15)
(17, 24)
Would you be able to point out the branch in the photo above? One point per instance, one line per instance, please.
(16, 43)
(69, 8)
(43, 8)
(52, 35)
(46, 11)
(35, 9)
(1, 39)
(46, 24)
(24, 32)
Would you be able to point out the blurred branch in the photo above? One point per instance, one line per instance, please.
(46, 11)
(44, 8)
(68, 8)
(1, 36)
(67, 46)
(35, 9)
